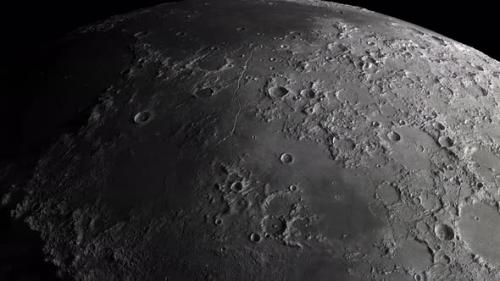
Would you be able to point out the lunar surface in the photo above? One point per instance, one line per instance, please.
(263, 140)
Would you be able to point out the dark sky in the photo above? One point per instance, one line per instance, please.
(28, 23)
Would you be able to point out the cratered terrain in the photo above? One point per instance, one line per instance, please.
(263, 140)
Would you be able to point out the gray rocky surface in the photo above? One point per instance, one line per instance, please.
(267, 140)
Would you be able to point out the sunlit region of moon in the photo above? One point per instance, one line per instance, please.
(265, 140)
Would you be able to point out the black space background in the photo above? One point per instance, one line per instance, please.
(26, 26)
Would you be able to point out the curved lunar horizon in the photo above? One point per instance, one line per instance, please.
(263, 140)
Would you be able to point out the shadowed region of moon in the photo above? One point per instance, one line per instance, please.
(263, 140)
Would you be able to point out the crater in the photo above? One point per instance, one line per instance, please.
(394, 136)
(445, 141)
(286, 158)
(218, 221)
(237, 186)
(444, 232)
(255, 237)
(205, 93)
(143, 117)
(308, 93)
(273, 226)
(438, 126)
(277, 92)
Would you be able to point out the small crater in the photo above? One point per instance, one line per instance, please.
(205, 93)
(237, 186)
(478, 67)
(438, 126)
(293, 188)
(445, 141)
(286, 158)
(277, 92)
(255, 237)
(308, 93)
(394, 136)
(143, 117)
(218, 221)
(444, 232)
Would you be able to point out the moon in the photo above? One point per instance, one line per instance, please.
(264, 140)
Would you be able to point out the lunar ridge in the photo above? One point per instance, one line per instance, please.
(264, 140)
